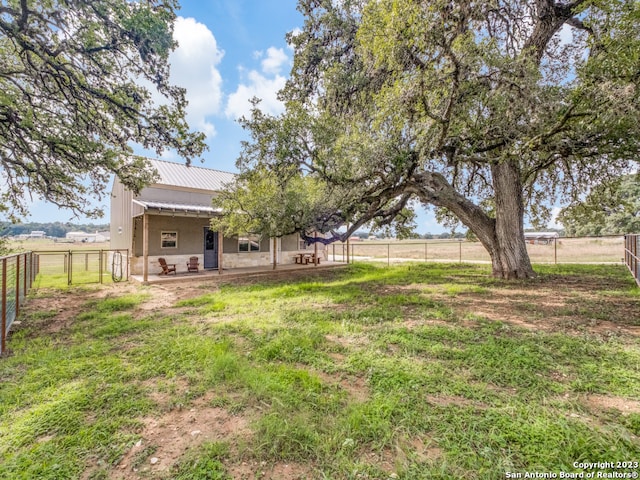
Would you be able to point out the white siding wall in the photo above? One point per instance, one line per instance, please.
(121, 224)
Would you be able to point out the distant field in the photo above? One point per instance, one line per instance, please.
(567, 250)
(61, 244)
(57, 258)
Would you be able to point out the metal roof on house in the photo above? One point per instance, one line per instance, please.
(176, 207)
(199, 178)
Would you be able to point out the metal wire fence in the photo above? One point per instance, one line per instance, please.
(554, 250)
(632, 255)
(17, 274)
(75, 267)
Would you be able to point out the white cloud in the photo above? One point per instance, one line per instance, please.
(276, 58)
(169, 155)
(266, 89)
(553, 222)
(194, 67)
(263, 85)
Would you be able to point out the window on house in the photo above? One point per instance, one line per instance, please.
(302, 245)
(249, 243)
(168, 239)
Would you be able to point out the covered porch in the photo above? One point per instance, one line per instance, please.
(177, 233)
(224, 274)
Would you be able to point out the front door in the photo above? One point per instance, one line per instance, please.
(210, 248)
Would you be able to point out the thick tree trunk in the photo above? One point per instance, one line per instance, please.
(503, 237)
(508, 250)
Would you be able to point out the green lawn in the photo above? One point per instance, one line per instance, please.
(433, 371)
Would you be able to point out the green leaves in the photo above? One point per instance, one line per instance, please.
(264, 202)
(608, 209)
(73, 100)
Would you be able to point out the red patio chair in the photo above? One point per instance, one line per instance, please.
(166, 268)
(192, 264)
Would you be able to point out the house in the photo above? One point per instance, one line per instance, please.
(85, 237)
(170, 219)
(104, 236)
(544, 238)
(33, 234)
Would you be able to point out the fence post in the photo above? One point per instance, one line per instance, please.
(17, 286)
(637, 264)
(555, 251)
(347, 250)
(100, 266)
(634, 255)
(3, 334)
(69, 267)
(626, 249)
(25, 275)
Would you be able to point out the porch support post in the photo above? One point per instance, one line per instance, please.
(220, 247)
(275, 252)
(145, 248)
(315, 250)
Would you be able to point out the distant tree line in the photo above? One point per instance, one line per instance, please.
(56, 229)
(608, 210)
(413, 235)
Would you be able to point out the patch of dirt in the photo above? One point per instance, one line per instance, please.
(265, 471)
(348, 341)
(556, 303)
(385, 459)
(165, 439)
(164, 393)
(162, 297)
(403, 453)
(605, 402)
(356, 387)
(423, 451)
(412, 324)
(63, 307)
(455, 400)
(544, 308)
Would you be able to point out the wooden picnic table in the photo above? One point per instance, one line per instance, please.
(306, 258)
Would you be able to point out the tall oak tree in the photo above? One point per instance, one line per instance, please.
(489, 110)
